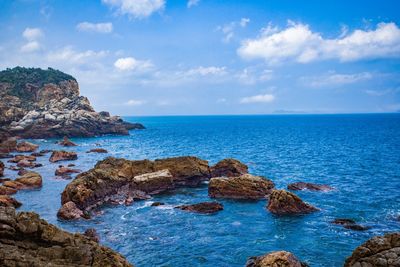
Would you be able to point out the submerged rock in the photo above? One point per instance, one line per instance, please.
(26, 147)
(63, 155)
(26, 240)
(246, 186)
(350, 224)
(157, 203)
(282, 202)
(203, 207)
(275, 259)
(228, 168)
(377, 251)
(66, 142)
(309, 186)
(97, 150)
(7, 201)
(1, 168)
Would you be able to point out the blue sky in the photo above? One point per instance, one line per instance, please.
(164, 57)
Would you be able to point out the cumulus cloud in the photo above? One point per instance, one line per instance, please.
(32, 35)
(134, 102)
(130, 63)
(298, 43)
(191, 3)
(336, 79)
(136, 8)
(105, 27)
(266, 98)
(228, 29)
(30, 47)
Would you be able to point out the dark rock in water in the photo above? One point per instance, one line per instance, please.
(45, 151)
(37, 154)
(92, 234)
(19, 158)
(9, 144)
(156, 204)
(7, 201)
(275, 259)
(97, 150)
(26, 240)
(203, 207)
(30, 180)
(6, 156)
(4, 180)
(28, 164)
(377, 251)
(62, 171)
(246, 186)
(26, 147)
(66, 142)
(50, 106)
(69, 211)
(63, 155)
(228, 168)
(22, 171)
(309, 186)
(1, 168)
(282, 202)
(350, 224)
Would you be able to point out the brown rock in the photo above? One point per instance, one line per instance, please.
(350, 224)
(8, 145)
(62, 171)
(5, 190)
(246, 186)
(69, 211)
(28, 164)
(26, 147)
(203, 207)
(1, 169)
(157, 203)
(66, 142)
(97, 150)
(282, 202)
(30, 180)
(275, 259)
(92, 234)
(377, 251)
(228, 168)
(309, 186)
(18, 158)
(2, 180)
(22, 171)
(6, 156)
(62, 155)
(7, 201)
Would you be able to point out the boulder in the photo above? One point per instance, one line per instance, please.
(282, 202)
(28, 164)
(8, 145)
(7, 201)
(69, 211)
(275, 259)
(92, 234)
(62, 171)
(19, 158)
(246, 186)
(350, 224)
(5, 190)
(377, 251)
(66, 142)
(27, 240)
(97, 150)
(228, 168)
(309, 186)
(203, 207)
(1, 169)
(30, 180)
(63, 155)
(26, 147)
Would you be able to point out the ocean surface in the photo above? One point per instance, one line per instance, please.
(359, 155)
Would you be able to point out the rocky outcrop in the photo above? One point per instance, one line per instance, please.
(8, 144)
(26, 147)
(228, 168)
(377, 251)
(30, 180)
(1, 168)
(350, 224)
(203, 207)
(92, 234)
(275, 259)
(26, 240)
(63, 155)
(66, 142)
(40, 103)
(309, 186)
(7, 201)
(282, 202)
(246, 186)
(97, 150)
(19, 158)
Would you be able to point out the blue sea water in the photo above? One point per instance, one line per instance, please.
(359, 155)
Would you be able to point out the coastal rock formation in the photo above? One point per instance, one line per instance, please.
(7, 201)
(26, 147)
(309, 186)
(282, 202)
(92, 234)
(26, 240)
(203, 207)
(350, 224)
(275, 259)
(19, 158)
(30, 180)
(7, 144)
(62, 155)
(246, 186)
(64, 171)
(228, 168)
(377, 251)
(1, 168)
(66, 142)
(28, 164)
(97, 150)
(40, 103)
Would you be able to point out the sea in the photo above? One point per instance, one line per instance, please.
(357, 154)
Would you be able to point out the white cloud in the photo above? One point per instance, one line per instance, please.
(243, 22)
(228, 29)
(136, 8)
(30, 47)
(70, 56)
(336, 79)
(266, 98)
(130, 63)
(191, 3)
(134, 102)
(105, 27)
(204, 71)
(32, 34)
(298, 43)
(382, 92)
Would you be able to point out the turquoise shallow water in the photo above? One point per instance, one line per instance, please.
(359, 155)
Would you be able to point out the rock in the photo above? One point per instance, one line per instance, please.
(275, 259)
(37, 154)
(6, 156)
(350, 224)
(66, 142)
(7, 201)
(246, 186)
(69, 211)
(27, 240)
(157, 203)
(62, 171)
(120, 181)
(377, 251)
(97, 150)
(28, 164)
(62, 155)
(282, 202)
(29, 180)
(8, 145)
(228, 168)
(26, 147)
(5, 190)
(92, 234)
(19, 158)
(1, 169)
(45, 151)
(71, 165)
(22, 171)
(203, 207)
(309, 186)
(4, 180)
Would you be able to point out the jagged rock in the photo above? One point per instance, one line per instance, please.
(62, 171)
(282, 202)
(7, 201)
(203, 207)
(26, 147)
(157, 203)
(19, 158)
(92, 234)
(62, 155)
(50, 106)
(9, 144)
(1, 168)
(228, 168)
(28, 164)
(350, 224)
(275, 259)
(29, 180)
(309, 186)
(377, 251)
(97, 150)
(69, 211)
(26, 240)
(246, 186)
(66, 142)
(121, 181)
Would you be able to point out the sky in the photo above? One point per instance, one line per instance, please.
(210, 57)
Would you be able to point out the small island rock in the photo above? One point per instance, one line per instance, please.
(26, 147)
(275, 259)
(228, 168)
(203, 207)
(63, 155)
(66, 142)
(282, 202)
